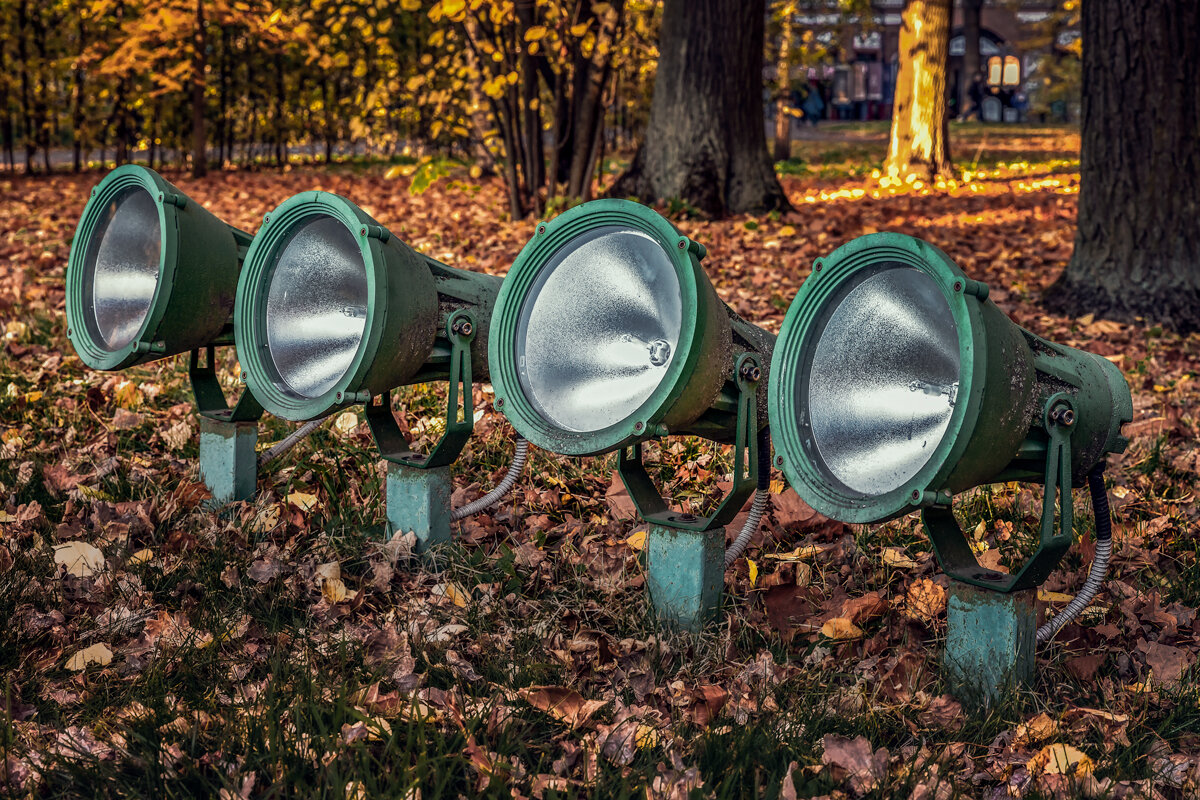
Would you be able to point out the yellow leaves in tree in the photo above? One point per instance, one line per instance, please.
(410, 5)
(536, 33)
(579, 30)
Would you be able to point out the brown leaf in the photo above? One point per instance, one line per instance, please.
(865, 608)
(840, 628)
(620, 504)
(943, 712)
(924, 600)
(853, 759)
(1166, 662)
(565, 705)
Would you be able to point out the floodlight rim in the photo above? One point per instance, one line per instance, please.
(254, 283)
(142, 347)
(800, 323)
(550, 236)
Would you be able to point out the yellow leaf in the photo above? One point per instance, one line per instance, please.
(536, 33)
(896, 557)
(646, 738)
(841, 628)
(33, 397)
(476, 171)
(1061, 759)
(753, 572)
(127, 395)
(579, 30)
(1036, 730)
(333, 590)
(451, 592)
(303, 500)
(96, 654)
(410, 5)
(804, 551)
(1054, 597)
(6, 517)
(637, 539)
(276, 15)
(80, 558)
(347, 421)
(452, 7)
(787, 230)
(141, 556)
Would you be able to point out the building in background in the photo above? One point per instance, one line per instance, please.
(1018, 42)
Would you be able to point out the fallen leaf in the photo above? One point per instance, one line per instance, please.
(345, 423)
(303, 500)
(896, 557)
(841, 628)
(333, 590)
(565, 705)
(853, 759)
(80, 558)
(1060, 759)
(637, 539)
(924, 600)
(141, 556)
(753, 571)
(96, 654)
(1035, 731)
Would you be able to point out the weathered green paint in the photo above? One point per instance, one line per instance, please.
(199, 260)
(418, 501)
(228, 465)
(1007, 375)
(694, 397)
(990, 641)
(685, 571)
(410, 298)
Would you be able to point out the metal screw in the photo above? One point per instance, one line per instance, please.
(779, 461)
(463, 327)
(1063, 416)
(362, 231)
(682, 244)
(686, 518)
(916, 495)
(638, 426)
(266, 218)
(958, 286)
(339, 397)
(499, 402)
(541, 229)
(751, 372)
(817, 266)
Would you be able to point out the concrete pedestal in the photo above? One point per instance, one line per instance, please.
(228, 463)
(990, 641)
(418, 501)
(685, 571)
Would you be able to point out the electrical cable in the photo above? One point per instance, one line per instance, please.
(502, 488)
(759, 506)
(1099, 567)
(294, 438)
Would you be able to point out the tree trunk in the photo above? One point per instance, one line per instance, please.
(783, 120)
(26, 101)
(1137, 245)
(919, 145)
(280, 104)
(199, 140)
(971, 25)
(77, 119)
(706, 141)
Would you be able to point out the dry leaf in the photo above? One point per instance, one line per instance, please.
(303, 500)
(141, 556)
(1060, 759)
(637, 539)
(80, 558)
(841, 628)
(925, 600)
(1035, 731)
(345, 423)
(96, 654)
(565, 705)
(333, 590)
(896, 557)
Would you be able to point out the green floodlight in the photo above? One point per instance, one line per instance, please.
(897, 383)
(333, 310)
(153, 274)
(607, 333)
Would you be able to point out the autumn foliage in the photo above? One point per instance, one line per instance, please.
(150, 646)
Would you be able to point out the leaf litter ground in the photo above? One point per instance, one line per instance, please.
(285, 648)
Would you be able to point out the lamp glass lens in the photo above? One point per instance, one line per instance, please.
(123, 262)
(883, 380)
(599, 328)
(316, 306)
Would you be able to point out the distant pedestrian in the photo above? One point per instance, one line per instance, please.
(975, 93)
(813, 106)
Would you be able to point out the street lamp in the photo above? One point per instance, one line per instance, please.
(333, 310)
(608, 333)
(153, 274)
(897, 383)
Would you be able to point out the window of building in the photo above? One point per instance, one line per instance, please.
(995, 71)
(1012, 71)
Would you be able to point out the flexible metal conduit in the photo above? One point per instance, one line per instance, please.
(294, 438)
(759, 506)
(502, 488)
(1099, 568)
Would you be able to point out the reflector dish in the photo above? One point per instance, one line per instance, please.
(599, 328)
(122, 267)
(883, 379)
(316, 308)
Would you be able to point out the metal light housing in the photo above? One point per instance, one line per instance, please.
(607, 332)
(897, 383)
(333, 310)
(151, 273)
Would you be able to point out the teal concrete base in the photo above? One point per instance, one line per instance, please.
(418, 501)
(228, 465)
(685, 571)
(990, 641)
